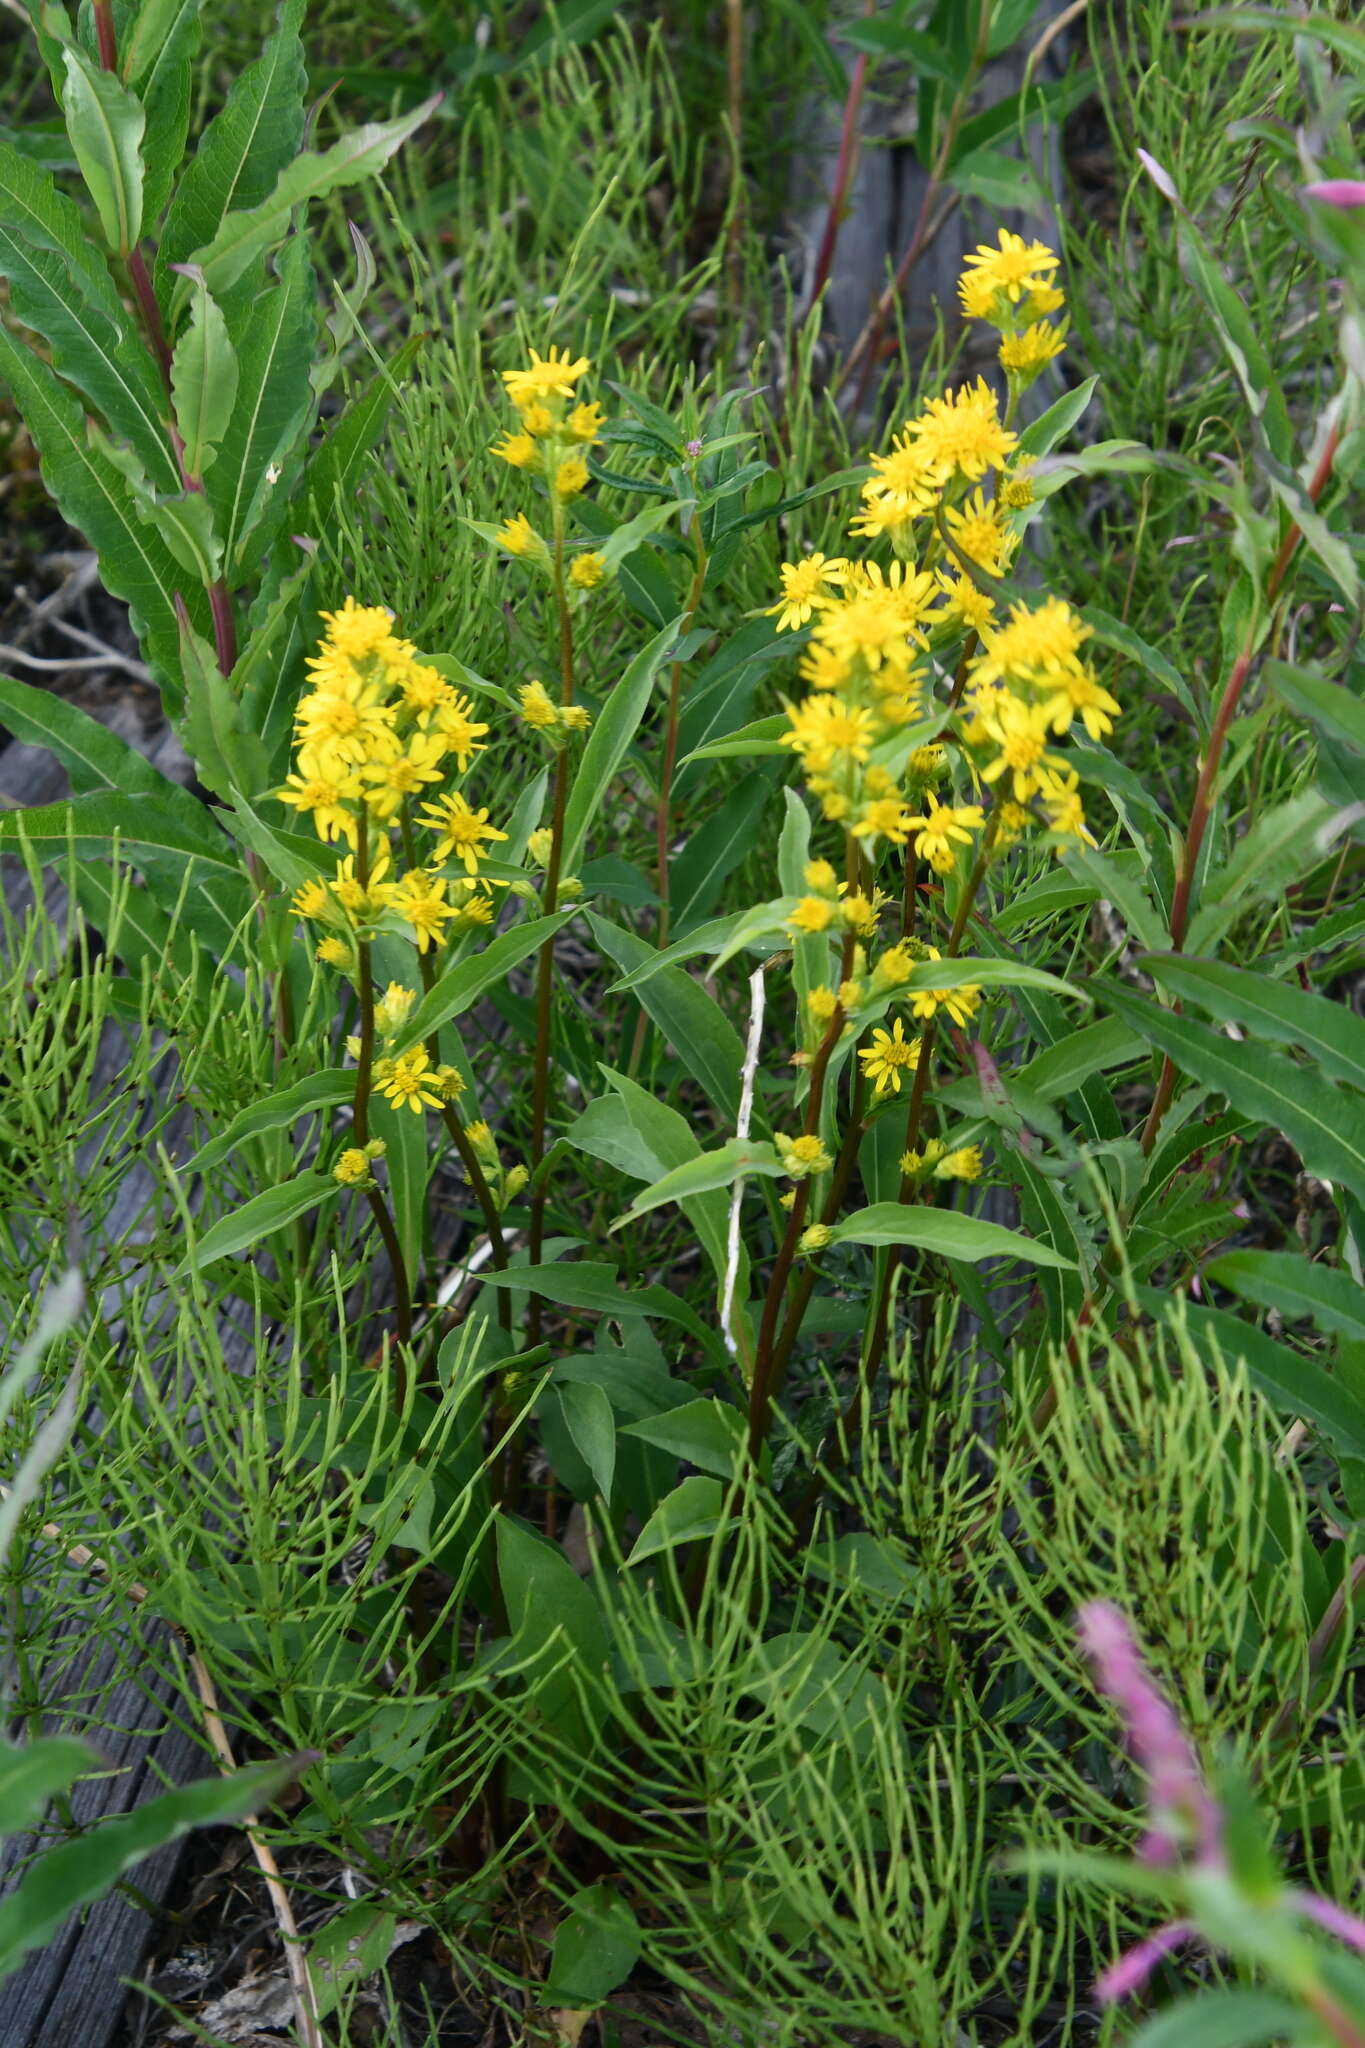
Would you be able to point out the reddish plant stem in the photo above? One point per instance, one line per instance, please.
(843, 177)
(104, 34)
(865, 348)
(1208, 774)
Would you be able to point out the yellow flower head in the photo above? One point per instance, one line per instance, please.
(821, 1004)
(803, 1156)
(548, 376)
(812, 914)
(389, 782)
(804, 589)
(518, 449)
(352, 1168)
(575, 717)
(359, 631)
(585, 423)
(826, 731)
(587, 571)
(334, 952)
(815, 1239)
(943, 825)
(328, 797)
(1014, 267)
(410, 1082)
(311, 901)
(462, 830)
(964, 1164)
(538, 707)
(890, 1055)
(460, 732)
(1062, 805)
(1040, 643)
(963, 432)
(1020, 732)
(982, 535)
(519, 537)
(420, 900)
(540, 846)
(571, 477)
(820, 876)
(391, 1011)
(1024, 355)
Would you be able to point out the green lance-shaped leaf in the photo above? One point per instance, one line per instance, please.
(157, 60)
(616, 726)
(315, 1092)
(1294, 1287)
(1332, 709)
(183, 521)
(693, 1023)
(242, 237)
(91, 823)
(244, 148)
(32, 1775)
(225, 751)
(709, 1170)
(60, 286)
(596, 1947)
(92, 494)
(259, 1218)
(591, 1423)
(460, 985)
(707, 1433)
(106, 122)
(203, 377)
(550, 1609)
(1324, 1123)
(250, 485)
(590, 1284)
(80, 1871)
(946, 1232)
(1331, 1033)
(338, 462)
(92, 755)
(693, 1510)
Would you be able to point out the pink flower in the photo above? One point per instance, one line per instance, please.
(1346, 192)
(1182, 1811)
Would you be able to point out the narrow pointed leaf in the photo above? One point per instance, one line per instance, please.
(615, 727)
(465, 982)
(249, 485)
(1324, 1123)
(694, 1024)
(243, 236)
(946, 1232)
(203, 380)
(1294, 1287)
(106, 122)
(718, 1169)
(278, 1111)
(1331, 1033)
(260, 1218)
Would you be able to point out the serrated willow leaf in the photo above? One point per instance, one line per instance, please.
(75, 1873)
(946, 1232)
(135, 563)
(183, 522)
(90, 824)
(1294, 1287)
(611, 735)
(106, 122)
(718, 1169)
(163, 44)
(203, 380)
(1324, 1123)
(275, 408)
(244, 148)
(259, 1218)
(315, 1092)
(1331, 1033)
(453, 992)
(1332, 708)
(359, 155)
(62, 290)
(93, 755)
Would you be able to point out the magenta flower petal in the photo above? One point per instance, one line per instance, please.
(1136, 1964)
(1348, 1927)
(1181, 1809)
(1348, 192)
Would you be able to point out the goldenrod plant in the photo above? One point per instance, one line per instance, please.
(760, 1128)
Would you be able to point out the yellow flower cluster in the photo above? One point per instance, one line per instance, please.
(884, 637)
(375, 733)
(554, 431)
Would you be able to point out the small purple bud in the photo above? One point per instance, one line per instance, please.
(694, 447)
(1136, 1964)
(1346, 1926)
(1345, 192)
(1179, 1802)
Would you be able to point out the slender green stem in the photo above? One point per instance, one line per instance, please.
(545, 964)
(379, 1208)
(662, 814)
